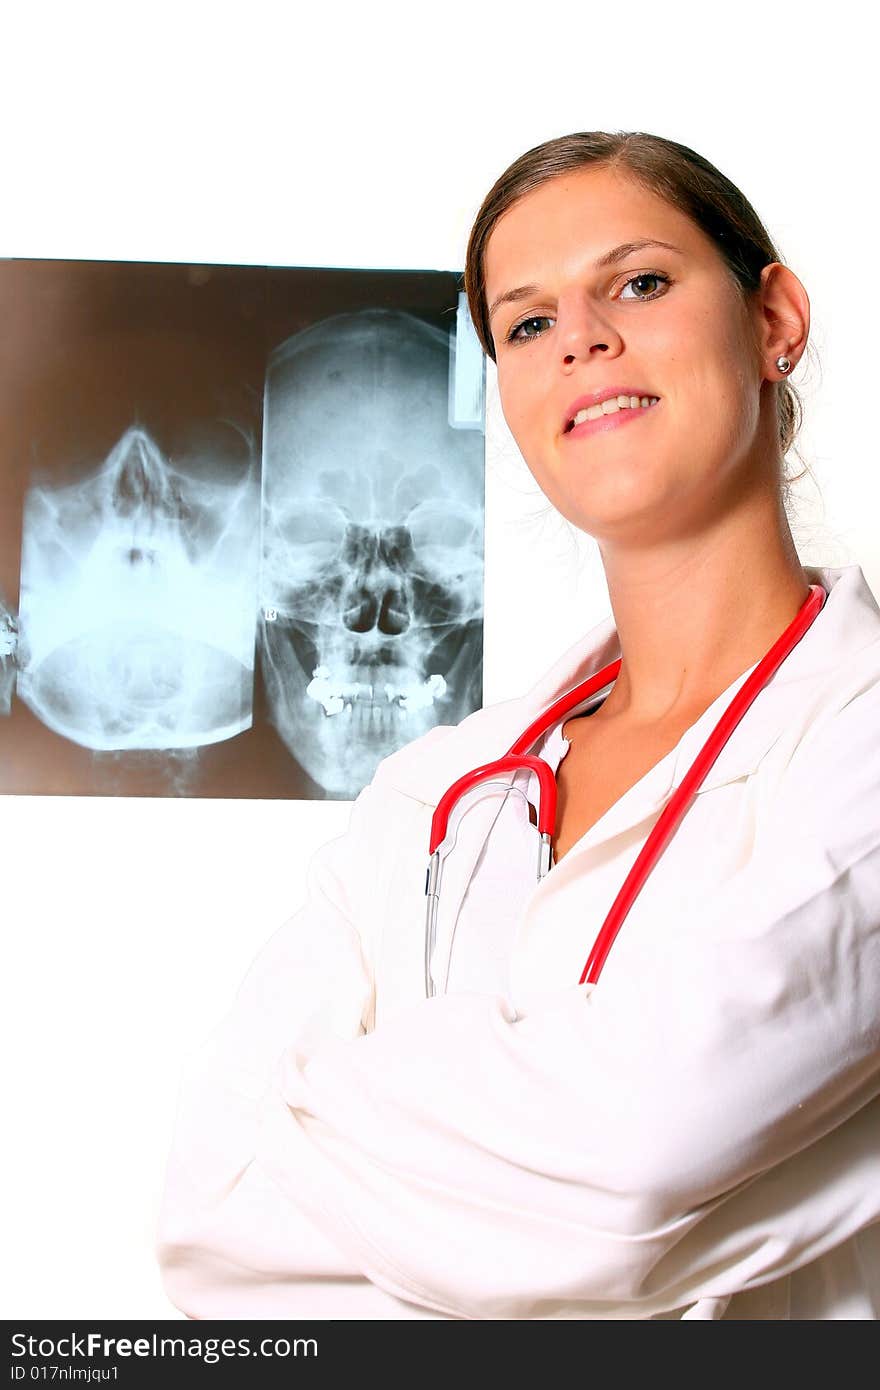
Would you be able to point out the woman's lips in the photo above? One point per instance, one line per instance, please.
(614, 420)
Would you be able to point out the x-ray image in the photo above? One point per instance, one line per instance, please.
(241, 525)
(372, 586)
(138, 592)
(8, 651)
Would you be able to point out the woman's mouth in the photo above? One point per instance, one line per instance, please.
(614, 414)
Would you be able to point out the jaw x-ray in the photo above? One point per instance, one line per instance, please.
(261, 605)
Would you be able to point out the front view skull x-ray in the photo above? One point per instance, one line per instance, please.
(371, 616)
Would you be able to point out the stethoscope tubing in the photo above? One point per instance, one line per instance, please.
(516, 759)
(684, 794)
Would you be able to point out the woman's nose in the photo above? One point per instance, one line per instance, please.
(583, 329)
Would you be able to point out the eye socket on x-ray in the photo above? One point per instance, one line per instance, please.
(315, 525)
(442, 523)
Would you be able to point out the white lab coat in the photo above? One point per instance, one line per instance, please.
(698, 1135)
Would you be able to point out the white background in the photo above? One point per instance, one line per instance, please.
(351, 136)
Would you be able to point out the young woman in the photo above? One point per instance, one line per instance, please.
(695, 1133)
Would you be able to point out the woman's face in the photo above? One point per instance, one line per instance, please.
(653, 322)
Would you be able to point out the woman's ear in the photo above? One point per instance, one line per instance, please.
(784, 316)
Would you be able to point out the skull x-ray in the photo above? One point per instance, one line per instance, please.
(138, 593)
(243, 509)
(371, 593)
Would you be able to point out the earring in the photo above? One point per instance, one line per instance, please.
(783, 364)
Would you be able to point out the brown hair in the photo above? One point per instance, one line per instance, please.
(677, 174)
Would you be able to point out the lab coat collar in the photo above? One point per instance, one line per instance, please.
(848, 623)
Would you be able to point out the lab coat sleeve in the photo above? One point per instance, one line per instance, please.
(229, 1245)
(702, 1122)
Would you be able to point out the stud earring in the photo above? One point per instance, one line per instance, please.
(783, 364)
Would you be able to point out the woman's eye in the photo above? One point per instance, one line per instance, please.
(652, 276)
(514, 336)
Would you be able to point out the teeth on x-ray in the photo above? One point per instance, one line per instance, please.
(335, 698)
(138, 591)
(8, 648)
(372, 581)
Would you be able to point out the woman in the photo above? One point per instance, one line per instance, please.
(697, 1134)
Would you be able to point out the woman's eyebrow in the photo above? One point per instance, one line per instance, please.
(618, 253)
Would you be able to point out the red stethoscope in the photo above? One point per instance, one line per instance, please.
(516, 759)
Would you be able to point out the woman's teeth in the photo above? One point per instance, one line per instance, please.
(613, 404)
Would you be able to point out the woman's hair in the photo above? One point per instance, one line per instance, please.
(677, 174)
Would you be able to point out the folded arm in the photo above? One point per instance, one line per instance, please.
(230, 1244)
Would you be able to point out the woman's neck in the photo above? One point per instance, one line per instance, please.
(692, 617)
